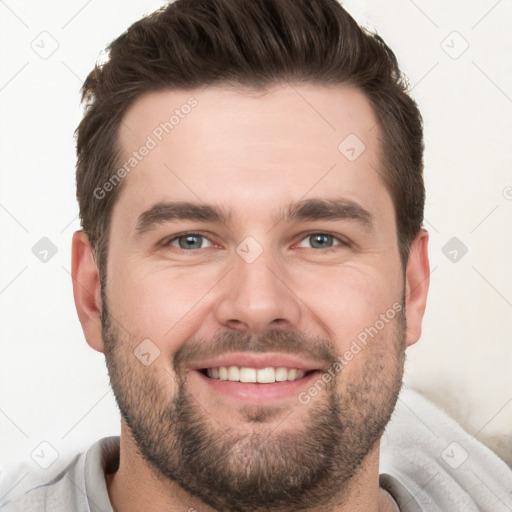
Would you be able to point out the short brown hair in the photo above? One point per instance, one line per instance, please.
(252, 43)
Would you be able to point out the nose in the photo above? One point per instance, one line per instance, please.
(256, 296)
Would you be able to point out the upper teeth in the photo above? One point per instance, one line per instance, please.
(262, 375)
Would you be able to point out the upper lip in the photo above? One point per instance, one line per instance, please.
(258, 360)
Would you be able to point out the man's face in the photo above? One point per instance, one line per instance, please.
(274, 282)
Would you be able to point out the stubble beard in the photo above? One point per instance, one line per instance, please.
(270, 467)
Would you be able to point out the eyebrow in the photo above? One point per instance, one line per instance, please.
(329, 209)
(172, 211)
(304, 210)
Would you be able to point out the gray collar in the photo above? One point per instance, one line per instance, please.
(103, 458)
(403, 498)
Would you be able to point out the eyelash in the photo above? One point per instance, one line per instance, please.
(342, 242)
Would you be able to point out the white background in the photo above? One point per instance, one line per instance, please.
(54, 388)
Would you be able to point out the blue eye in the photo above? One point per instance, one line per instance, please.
(194, 241)
(187, 241)
(321, 241)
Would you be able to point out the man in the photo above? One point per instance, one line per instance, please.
(252, 262)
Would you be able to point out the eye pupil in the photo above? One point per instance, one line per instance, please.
(190, 241)
(320, 240)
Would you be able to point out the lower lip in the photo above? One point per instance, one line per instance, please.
(258, 393)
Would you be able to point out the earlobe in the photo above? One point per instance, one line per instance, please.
(416, 285)
(86, 289)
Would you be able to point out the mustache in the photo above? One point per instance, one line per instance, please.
(273, 340)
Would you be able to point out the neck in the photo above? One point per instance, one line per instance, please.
(137, 486)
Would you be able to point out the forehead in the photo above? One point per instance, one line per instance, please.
(228, 146)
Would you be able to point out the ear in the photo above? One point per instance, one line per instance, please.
(86, 289)
(416, 286)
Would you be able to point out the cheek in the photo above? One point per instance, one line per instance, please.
(349, 301)
(159, 304)
(361, 311)
(168, 305)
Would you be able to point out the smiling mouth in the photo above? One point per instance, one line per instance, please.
(244, 374)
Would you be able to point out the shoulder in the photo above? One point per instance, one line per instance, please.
(441, 465)
(72, 487)
(56, 494)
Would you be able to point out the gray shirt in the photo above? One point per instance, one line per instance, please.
(81, 486)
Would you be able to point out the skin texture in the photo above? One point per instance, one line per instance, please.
(182, 443)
